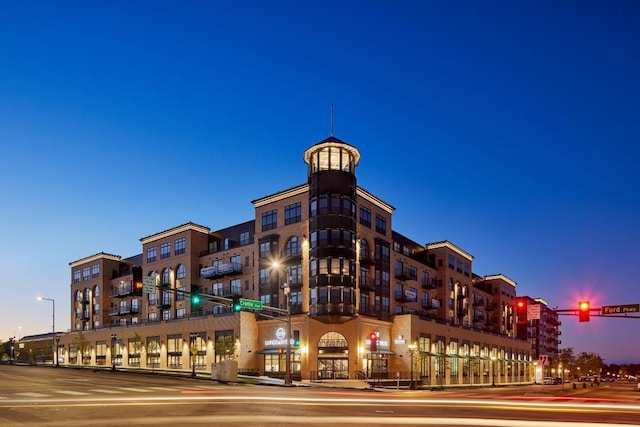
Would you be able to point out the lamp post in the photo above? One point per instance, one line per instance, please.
(412, 350)
(287, 297)
(54, 353)
(113, 351)
(193, 352)
(493, 371)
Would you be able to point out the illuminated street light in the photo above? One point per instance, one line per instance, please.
(287, 295)
(493, 370)
(113, 349)
(412, 351)
(54, 352)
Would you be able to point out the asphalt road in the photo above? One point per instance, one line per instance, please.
(31, 396)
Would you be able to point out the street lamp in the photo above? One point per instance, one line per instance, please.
(493, 370)
(287, 296)
(54, 353)
(113, 350)
(193, 351)
(412, 350)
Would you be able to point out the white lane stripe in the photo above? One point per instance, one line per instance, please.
(71, 392)
(136, 390)
(30, 394)
(106, 391)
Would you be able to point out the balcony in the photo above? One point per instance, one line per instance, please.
(367, 259)
(478, 302)
(221, 270)
(367, 283)
(406, 273)
(431, 283)
(432, 304)
(114, 311)
(164, 303)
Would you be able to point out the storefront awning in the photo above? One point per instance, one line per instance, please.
(383, 352)
(276, 351)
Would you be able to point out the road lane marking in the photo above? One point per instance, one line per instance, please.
(107, 391)
(32, 394)
(71, 392)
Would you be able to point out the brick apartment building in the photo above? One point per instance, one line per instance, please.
(348, 275)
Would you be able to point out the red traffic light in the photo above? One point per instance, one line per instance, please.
(521, 310)
(373, 341)
(583, 311)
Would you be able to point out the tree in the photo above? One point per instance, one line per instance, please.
(82, 345)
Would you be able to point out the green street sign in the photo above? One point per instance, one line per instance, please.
(620, 309)
(148, 285)
(249, 303)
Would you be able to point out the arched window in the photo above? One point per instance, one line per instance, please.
(293, 247)
(181, 272)
(78, 296)
(166, 276)
(96, 291)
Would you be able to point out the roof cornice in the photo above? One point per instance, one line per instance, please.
(361, 192)
(281, 195)
(447, 244)
(100, 255)
(190, 226)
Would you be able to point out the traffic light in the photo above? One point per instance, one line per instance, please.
(583, 311)
(521, 310)
(137, 280)
(195, 296)
(373, 341)
(296, 338)
(235, 305)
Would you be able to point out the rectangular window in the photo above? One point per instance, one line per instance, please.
(165, 250)
(95, 271)
(293, 213)
(180, 246)
(85, 273)
(180, 313)
(269, 220)
(244, 238)
(459, 266)
(451, 261)
(365, 216)
(236, 261)
(467, 269)
(76, 276)
(236, 286)
(381, 224)
(152, 254)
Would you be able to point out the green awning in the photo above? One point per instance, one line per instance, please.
(276, 351)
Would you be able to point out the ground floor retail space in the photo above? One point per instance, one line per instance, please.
(433, 353)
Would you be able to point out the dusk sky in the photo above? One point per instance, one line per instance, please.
(511, 129)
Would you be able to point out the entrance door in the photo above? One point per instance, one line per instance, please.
(333, 356)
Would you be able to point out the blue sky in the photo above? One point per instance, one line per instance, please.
(508, 128)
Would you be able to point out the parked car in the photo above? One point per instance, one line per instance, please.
(549, 381)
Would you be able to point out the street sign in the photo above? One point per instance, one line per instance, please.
(543, 360)
(620, 309)
(533, 312)
(249, 303)
(148, 285)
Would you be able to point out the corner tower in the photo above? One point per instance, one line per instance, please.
(332, 230)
